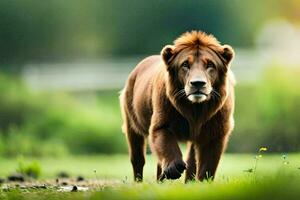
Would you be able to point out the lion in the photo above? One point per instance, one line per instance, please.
(185, 94)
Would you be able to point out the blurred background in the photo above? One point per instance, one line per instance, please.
(62, 64)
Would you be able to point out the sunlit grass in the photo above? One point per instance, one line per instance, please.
(274, 179)
(119, 167)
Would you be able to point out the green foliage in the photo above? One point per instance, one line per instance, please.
(34, 30)
(32, 169)
(16, 142)
(267, 113)
(38, 124)
(54, 124)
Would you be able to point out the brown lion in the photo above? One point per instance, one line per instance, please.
(184, 94)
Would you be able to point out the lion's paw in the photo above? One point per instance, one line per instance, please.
(174, 169)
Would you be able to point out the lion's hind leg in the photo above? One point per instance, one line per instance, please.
(137, 149)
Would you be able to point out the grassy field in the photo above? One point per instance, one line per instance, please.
(275, 177)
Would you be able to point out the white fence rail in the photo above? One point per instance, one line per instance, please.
(112, 73)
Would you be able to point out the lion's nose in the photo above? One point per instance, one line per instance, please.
(198, 83)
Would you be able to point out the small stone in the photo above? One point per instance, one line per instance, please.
(5, 189)
(64, 183)
(63, 175)
(80, 178)
(2, 180)
(23, 187)
(40, 187)
(74, 189)
(16, 177)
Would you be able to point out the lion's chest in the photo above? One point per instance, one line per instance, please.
(180, 127)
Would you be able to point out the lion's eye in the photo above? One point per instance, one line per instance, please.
(210, 64)
(185, 65)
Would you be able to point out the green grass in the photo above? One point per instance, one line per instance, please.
(119, 167)
(273, 179)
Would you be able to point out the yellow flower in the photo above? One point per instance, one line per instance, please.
(263, 149)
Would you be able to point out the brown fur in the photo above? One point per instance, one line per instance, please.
(156, 103)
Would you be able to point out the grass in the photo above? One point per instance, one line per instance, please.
(276, 178)
(119, 167)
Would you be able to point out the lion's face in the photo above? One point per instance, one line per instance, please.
(198, 71)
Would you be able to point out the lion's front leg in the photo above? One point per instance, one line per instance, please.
(208, 157)
(190, 171)
(164, 145)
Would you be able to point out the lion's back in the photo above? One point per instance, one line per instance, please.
(136, 97)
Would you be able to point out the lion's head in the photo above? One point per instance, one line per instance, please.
(197, 65)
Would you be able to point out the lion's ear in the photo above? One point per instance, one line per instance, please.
(227, 53)
(167, 53)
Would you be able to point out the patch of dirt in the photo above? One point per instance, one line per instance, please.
(59, 184)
